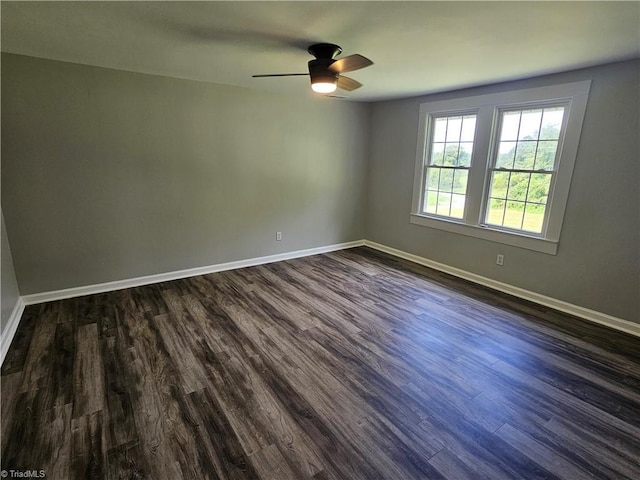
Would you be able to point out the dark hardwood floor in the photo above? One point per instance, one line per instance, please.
(349, 365)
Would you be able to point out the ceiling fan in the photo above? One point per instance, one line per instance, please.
(326, 72)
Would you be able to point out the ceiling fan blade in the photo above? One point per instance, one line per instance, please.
(347, 83)
(280, 75)
(350, 63)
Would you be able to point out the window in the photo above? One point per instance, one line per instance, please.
(499, 166)
(448, 166)
(523, 167)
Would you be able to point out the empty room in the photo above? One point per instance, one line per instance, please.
(320, 240)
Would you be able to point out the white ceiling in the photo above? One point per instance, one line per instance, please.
(417, 47)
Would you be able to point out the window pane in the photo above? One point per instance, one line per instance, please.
(440, 130)
(506, 153)
(533, 218)
(513, 215)
(518, 186)
(439, 198)
(444, 204)
(446, 191)
(454, 127)
(451, 154)
(433, 178)
(499, 184)
(468, 128)
(539, 188)
(431, 201)
(530, 125)
(495, 212)
(525, 155)
(437, 154)
(546, 155)
(446, 180)
(464, 156)
(457, 205)
(460, 181)
(551, 123)
(510, 123)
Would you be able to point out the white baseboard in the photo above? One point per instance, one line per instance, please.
(10, 329)
(576, 310)
(178, 274)
(12, 325)
(585, 313)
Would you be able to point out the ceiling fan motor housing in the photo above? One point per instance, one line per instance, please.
(324, 50)
(325, 54)
(319, 71)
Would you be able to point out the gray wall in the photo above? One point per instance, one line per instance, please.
(8, 283)
(598, 264)
(109, 175)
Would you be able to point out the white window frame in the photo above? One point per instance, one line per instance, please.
(488, 109)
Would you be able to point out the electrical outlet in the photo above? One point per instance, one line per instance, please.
(500, 259)
(278, 236)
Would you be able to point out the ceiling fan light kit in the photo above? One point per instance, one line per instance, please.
(322, 86)
(323, 79)
(326, 72)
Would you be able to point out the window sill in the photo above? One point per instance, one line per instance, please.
(522, 241)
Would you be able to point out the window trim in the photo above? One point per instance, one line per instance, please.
(428, 151)
(492, 158)
(488, 109)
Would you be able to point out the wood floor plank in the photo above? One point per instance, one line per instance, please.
(119, 417)
(272, 465)
(126, 462)
(166, 439)
(40, 349)
(520, 408)
(340, 460)
(347, 365)
(626, 417)
(410, 451)
(61, 381)
(284, 284)
(87, 447)
(221, 453)
(88, 382)
(206, 323)
(593, 451)
(606, 389)
(288, 436)
(59, 463)
(38, 435)
(541, 454)
(449, 466)
(9, 396)
(21, 343)
(193, 376)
